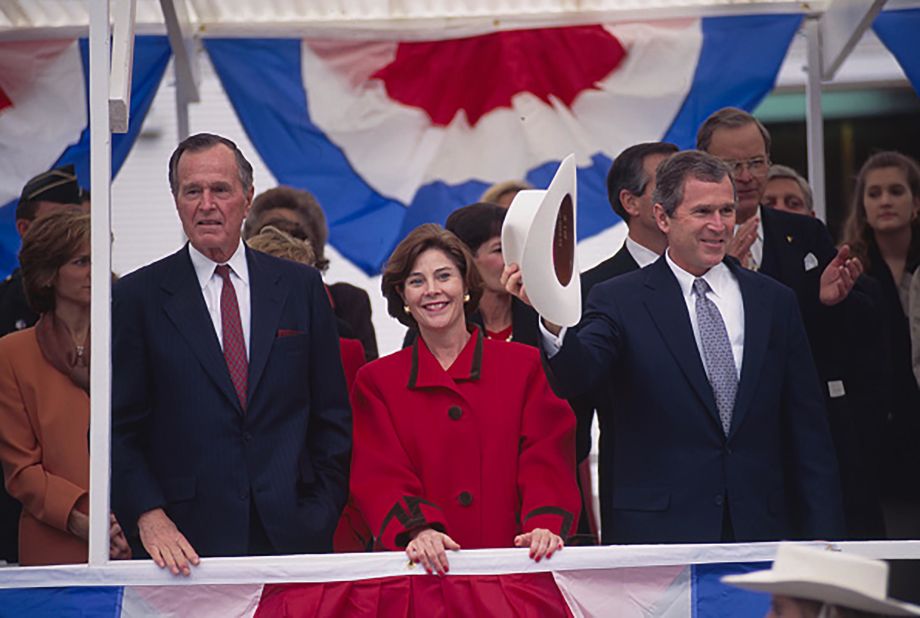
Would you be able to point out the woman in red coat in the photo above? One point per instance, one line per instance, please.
(458, 440)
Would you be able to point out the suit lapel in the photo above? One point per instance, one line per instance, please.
(665, 303)
(267, 296)
(756, 340)
(186, 309)
(622, 262)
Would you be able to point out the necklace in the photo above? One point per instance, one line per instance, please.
(506, 333)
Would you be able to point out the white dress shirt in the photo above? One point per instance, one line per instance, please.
(725, 292)
(212, 285)
(643, 255)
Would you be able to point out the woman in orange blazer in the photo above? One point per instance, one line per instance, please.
(44, 397)
(458, 440)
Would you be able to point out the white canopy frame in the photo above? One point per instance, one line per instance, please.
(832, 31)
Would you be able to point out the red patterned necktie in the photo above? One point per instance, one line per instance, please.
(234, 343)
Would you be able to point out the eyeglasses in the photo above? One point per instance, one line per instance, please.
(756, 166)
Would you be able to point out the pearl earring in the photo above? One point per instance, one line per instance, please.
(466, 297)
(406, 309)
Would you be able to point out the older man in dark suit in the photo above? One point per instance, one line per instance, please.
(721, 432)
(231, 424)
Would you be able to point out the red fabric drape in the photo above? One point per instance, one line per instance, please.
(454, 596)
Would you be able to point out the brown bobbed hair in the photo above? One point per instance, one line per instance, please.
(402, 261)
(280, 244)
(856, 231)
(49, 243)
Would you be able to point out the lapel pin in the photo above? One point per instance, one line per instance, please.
(789, 238)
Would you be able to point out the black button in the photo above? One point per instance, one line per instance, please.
(465, 498)
(454, 412)
(728, 450)
(244, 495)
(719, 499)
(247, 436)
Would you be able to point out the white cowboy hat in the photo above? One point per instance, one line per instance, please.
(539, 235)
(831, 577)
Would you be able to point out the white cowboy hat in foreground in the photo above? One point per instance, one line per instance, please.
(830, 577)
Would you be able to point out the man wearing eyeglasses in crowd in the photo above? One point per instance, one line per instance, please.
(798, 251)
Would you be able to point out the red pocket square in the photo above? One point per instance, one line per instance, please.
(287, 332)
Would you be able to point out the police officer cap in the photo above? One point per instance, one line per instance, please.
(58, 185)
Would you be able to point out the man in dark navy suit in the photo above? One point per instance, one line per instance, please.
(839, 315)
(231, 425)
(721, 432)
(630, 185)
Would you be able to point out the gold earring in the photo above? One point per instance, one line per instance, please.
(406, 309)
(466, 297)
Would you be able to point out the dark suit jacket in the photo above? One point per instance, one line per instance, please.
(180, 439)
(838, 335)
(600, 398)
(352, 305)
(788, 239)
(674, 470)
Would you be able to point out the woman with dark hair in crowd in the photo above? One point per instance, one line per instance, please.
(500, 315)
(44, 397)
(883, 231)
(458, 441)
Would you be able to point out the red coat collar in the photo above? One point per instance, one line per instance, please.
(427, 371)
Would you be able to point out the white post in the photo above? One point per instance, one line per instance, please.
(814, 117)
(100, 156)
(122, 63)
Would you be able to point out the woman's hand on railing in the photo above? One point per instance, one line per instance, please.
(428, 548)
(541, 541)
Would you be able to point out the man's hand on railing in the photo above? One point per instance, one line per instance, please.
(166, 545)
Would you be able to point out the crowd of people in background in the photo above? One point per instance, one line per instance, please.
(752, 380)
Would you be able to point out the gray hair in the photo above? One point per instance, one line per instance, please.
(206, 141)
(783, 171)
(729, 118)
(674, 171)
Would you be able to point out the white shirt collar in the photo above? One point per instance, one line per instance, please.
(643, 255)
(717, 277)
(204, 266)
